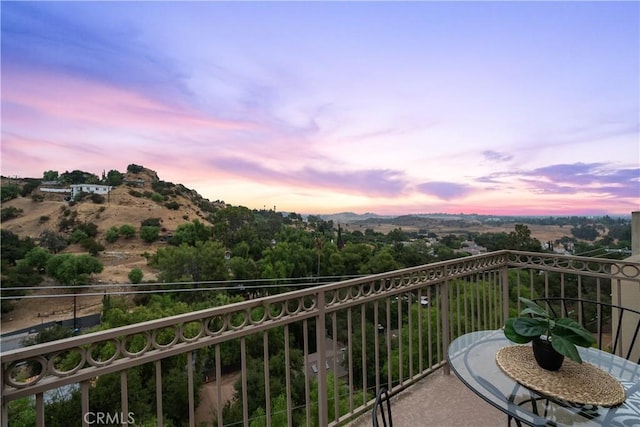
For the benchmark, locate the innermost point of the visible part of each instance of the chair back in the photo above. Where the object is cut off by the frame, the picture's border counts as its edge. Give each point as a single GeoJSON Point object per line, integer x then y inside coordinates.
{"type": "Point", "coordinates": [615, 328]}
{"type": "Point", "coordinates": [382, 399]}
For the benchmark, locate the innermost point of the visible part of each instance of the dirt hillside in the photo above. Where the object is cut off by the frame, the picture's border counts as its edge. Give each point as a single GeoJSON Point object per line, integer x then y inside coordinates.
{"type": "Point", "coordinates": [125, 204]}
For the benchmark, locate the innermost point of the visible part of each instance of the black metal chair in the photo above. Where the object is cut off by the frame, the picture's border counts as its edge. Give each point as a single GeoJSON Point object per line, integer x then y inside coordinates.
{"type": "Point", "coordinates": [381, 398]}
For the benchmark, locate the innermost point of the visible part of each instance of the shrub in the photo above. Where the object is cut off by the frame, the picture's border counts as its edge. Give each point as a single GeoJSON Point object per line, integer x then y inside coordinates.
{"type": "Point", "coordinates": [80, 196]}
{"type": "Point", "coordinates": [158, 198]}
{"type": "Point", "coordinates": [172, 205]}
{"type": "Point", "coordinates": [37, 197]}
{"type": "Point", "coordinates": [97, 198]}
{"type": "Point", "coordinates": [8, 192]}
{"type": "Point", "coordinates": [78, 235]}
{"type": "Point", "coordinates": [10, 212]}
{"type": "Point", "coordinates": [88, 227]}
{"type": "Point", "coordinates": [151, 221]}
{"type": "Point", "coordinates": [149, 233]}
{"type": "Point", "coordinates": [112, 234]}
{"type": "Point", "coordinates": [44, 218]}
{"type": "Point", "coordinates": [135, 193]}
{"type": "Point", "coordinates": [52, 241]}
{"type": "Point", "coordinates": [133, 168]}
{"type": "Point", "coordinates": [29, 187]}
{"type": "Point", "coordinates": [136, 275]}
{"type": "Point", "coordinates": [92, 246]}
{"type": "Point", "coordinates": [127, 231]}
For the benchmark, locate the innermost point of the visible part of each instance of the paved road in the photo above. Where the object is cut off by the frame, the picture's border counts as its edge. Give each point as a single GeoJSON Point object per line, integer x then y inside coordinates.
{"type": "Point", "coordinates": [13, 340]}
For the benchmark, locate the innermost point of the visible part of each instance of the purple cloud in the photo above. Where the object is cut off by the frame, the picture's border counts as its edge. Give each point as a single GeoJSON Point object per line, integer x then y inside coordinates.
{"type": "Point", "coordinates": [595, 178]}
{"type": "Point", "coordinates": [445, 190]}
{"type": "Point", "coordinates": [496, 156]}
{"type": "Point", "coordinates": [374, 182]}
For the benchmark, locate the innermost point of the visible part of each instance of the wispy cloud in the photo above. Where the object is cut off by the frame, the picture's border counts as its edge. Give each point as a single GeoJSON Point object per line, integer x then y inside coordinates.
{"type": "Point", "coordinates": [574, 178]}
{"type": "Point", "coordinates": [45, 37]}
{"type": "Point", "coordinates": [445, 190]}
{"type": "Point", "coordinates": [374, 182]}
{"type": "Point", "coordinates": [496, 156]}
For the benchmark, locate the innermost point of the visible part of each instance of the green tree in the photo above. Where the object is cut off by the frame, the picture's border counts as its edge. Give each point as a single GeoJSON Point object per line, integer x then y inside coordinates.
{"type": "Point", "coordinates": [204, 261]}
{"type": "Point", "coordinates": [520, 239]}
{"type": "Point", "coordinates": [37, 258]}
{"type": "Point", "coordinates": [190, 233]}
{"type": "Point", "coordinates": [22, 412]}
{"type": "Point", "coordinates": [78, 235]}
{"type": "Point", "coordinates": [135, 275]}
{"type": "Point", "coordinates": [69, 269]}
{"type": "Point", "coordinates": [149, 233]}
{"type": "Point", "coordinates": [91, 246]}
{"type": "Point", "coordinates": [8, 192]}
{"type": "Point", "coordinates": [52, 241]}
{"type": "Point", "coordinates": [133, 168]}
{"type": "Point", "coordinates": [380, 262]}
{"type": "Point", "coordinates": [50, 175]}
{"type": "Point", "coordinates": [127, 231]}
{"type": "Point", "coordinates": [112, 234]}
{"type": "Point", "coordinates": [9, 213]}
{"type": "Point", "coordinates": [12, 247]}
{"type": "Point", "coordinates": [114, 178]}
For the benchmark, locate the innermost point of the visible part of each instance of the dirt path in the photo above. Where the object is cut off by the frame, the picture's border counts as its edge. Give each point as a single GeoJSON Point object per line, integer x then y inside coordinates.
{"type": "Point", "coordinates": [208, 398]}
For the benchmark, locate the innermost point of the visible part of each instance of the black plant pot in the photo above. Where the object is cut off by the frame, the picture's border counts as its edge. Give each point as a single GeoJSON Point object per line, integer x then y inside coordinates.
{"type": "Point", "coordinates": [546, 356]}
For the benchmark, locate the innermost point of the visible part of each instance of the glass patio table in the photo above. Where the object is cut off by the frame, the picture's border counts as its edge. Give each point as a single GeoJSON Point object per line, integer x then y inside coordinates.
{"type": "Point", "coordinates": [472, 357]}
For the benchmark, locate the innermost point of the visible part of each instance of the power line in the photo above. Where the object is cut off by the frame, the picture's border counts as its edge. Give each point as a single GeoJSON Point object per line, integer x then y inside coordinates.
{"type": "Point", "coordinates": [174, 287]}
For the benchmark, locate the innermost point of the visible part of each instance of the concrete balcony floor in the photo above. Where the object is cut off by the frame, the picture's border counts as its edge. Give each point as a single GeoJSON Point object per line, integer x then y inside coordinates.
{"type": "Point", "coordinates": [439, 400]}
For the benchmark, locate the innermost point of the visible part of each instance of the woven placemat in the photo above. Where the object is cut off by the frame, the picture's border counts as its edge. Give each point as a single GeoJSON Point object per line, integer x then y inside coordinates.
{"type": "Point", "coordinates": [581, 383]}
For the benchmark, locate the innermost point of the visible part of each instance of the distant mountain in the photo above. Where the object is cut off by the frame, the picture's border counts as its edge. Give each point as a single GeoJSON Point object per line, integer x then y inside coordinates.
{"type": "Point", "coordinates": [345, 217]}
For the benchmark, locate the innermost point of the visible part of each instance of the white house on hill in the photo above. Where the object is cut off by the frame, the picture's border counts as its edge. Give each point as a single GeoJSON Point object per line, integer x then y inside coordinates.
{"type": "Point", "coordinates": [89, 188]}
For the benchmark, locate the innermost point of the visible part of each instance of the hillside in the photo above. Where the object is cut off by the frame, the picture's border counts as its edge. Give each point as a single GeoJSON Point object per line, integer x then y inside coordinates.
{"type": "Point", "coordinates": [125, 204]}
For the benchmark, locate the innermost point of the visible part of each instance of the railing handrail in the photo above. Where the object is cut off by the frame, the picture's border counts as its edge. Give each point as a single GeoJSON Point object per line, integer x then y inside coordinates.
{"type": "Point", "coordinates": [184, 318]}
{"type": "Point", "coordinates": [511, 260]}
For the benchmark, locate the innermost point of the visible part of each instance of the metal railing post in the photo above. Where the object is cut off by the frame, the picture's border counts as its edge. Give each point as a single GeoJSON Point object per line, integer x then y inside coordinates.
{"type": "Point", "coordinates": [504, 278]}
{"type": "Point", "coordinates": [323, 404]}
{"type": "Point", "coordinates": [445, 323]}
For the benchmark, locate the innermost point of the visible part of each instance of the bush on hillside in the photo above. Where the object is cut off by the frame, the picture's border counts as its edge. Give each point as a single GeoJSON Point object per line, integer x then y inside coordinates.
{"type": "Point", "coordinates": [8, 192]}
{"type": "Point", "coordinates": [112, 234]}
{"type": "Point", "coordinates": [149, 233]}
{"type": "Point", "coordinates": [155, 222]}
{"type": "Point", "coordinates": [97, 198]}
{"type": "Point", "coordinates": [133, 168]}
{"type": "Point", "coordinates": [135, 275]}
{"type": "Point", "coordinates": [9, 213]}
{"type": "Point", "coordinates": [127, 231]}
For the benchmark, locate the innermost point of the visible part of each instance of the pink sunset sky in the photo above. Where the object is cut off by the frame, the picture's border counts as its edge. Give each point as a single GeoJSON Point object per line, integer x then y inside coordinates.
{"type": "Point", "coordinates": [515, 108]}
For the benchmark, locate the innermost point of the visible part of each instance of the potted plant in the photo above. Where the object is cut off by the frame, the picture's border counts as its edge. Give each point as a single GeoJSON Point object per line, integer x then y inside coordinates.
{"type": "Point", "coordinates": [552, 338]}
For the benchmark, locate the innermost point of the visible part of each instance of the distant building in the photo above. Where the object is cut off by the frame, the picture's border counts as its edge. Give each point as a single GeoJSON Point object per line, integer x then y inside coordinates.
{"type": "Point", "coordinates": [55, 190]}
{"type": "Point", "coordinates": [472, 247]}
{"type": "Point", "coordinates": [313, 366]}
{"type": "Point", "coordinates": [89, 188]}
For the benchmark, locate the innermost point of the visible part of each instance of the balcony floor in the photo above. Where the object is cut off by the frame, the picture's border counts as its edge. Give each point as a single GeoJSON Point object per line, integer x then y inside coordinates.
{"type": "Point", "coordinates": [439, 400]}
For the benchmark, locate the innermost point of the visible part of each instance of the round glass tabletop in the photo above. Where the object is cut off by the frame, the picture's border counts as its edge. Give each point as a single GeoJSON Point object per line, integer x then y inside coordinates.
{"type": "Point", "coordinates": [473, 359]}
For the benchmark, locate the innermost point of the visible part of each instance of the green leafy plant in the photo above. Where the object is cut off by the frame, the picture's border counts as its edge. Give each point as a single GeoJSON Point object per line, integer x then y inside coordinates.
{"type": "Point", "coordinates": [563, 333]}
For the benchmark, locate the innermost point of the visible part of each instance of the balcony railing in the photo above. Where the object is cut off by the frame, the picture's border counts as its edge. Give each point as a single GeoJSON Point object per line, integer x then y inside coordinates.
{"type": "Point", "coordinates": [392, 328]}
